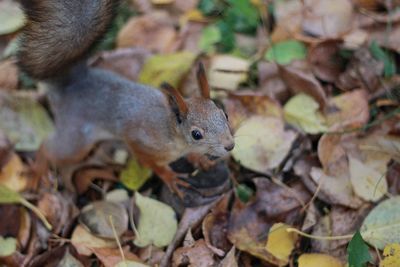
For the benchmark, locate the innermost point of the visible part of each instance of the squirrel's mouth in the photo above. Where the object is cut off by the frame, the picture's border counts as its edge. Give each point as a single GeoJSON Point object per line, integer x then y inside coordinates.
{"type": "Point", "coordinates": [212, 157]}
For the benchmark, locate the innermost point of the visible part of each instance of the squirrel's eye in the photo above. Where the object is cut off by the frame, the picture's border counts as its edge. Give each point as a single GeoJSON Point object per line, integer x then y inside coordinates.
{"type": "Point", "coordinates": [226, 116]}
{"type": "Point", "coordinates": [196, 134]}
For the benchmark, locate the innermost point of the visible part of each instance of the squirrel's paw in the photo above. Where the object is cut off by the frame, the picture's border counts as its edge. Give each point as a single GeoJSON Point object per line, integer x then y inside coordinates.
{"type": "Point", "coordinates": [174, 184]}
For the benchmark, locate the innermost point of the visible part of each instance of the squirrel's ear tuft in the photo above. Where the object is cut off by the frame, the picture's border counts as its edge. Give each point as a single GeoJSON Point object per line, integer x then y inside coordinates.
{"type": "Point", "coordinates": [202, 80]}
{"type": "Point", "coordinates": [176, 101]}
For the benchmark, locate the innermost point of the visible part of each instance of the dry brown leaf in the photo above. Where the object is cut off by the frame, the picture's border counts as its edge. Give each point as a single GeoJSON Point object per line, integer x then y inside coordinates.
{"type": "Point", "coordinates": [153, 31]}
{"type": "Point", "coordinates": [350, 110]}
{"type": "Point", "coordinates": [242, 104]}
{"type": "Point", "coordinates": [302, 81]}
{"type": "Point", "coordinates": [84, 242]}
{"type": "Point", "coordinates": [337, 189]}
{"type": "Point", "coordinates": [325, 60]}
{"type": "Point", "coordinates": [8, 75]}
{"type": "Point", "coordinates": [249, 223]}
{"type": "Point", "coordinates": [328, 18]}
{"type": "Point", "coordinates": [270, 81]}
{"type": "Point", "coordinates": [197, 255]}
{"type": "Point", "coordinates": [110, 257]}
{"type": "Point", "coordinates": [127, 62]}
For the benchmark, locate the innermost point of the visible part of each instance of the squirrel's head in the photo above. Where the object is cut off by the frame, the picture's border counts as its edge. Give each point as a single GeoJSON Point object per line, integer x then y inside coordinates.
{"type": "Point", "coordinates": [204, 125]}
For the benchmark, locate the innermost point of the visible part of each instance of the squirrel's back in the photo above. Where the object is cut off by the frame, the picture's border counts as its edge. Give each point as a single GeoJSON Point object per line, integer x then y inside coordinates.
{"type": "Point", "coordinates": [59, 33]}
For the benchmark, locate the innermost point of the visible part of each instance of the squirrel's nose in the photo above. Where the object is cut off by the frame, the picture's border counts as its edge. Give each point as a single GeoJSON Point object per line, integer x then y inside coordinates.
{"type": "Point", "coordinates": [230, 147]}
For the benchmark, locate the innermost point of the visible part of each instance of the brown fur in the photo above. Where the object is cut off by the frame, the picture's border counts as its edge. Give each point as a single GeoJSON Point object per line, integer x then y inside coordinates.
{"type": "Point", "coordinates": [58, 33]}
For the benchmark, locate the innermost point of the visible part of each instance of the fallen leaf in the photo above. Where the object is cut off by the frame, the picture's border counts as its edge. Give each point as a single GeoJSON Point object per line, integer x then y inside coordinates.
{"type": "Point", "coordinates": [351, 110]}
{"type": "Point", "coordinates": [157, 222]}
{"type": "Point", "coordinates": [209, 37]}
{"type": "Point", "coordinates": [249, 223]}
{"type": "Point", "coordinates": [68, 261]}
{"type": "Point", "coordinates": [240, 105]}
{"type": "Point", "coordinates": [134, 175]}
{"type": "Point", "coordinates": [196, 255]}
{"type": "Point", "coordinates": [11, 16]}
{"type": "Point", "coordinates": [127, 62]}
{"type": "Point", "coordinates": [97, 215]}
{"type": "Point", "coordinates": [368, 183]}
{"type": "Point", "coordinates": [7, 246]}
{"type": "Point", "coordinates": [227, 72]}
{"type": "Point", "coordinates": [382, 225]}
{"type": "Point", "coordinates": [8, 73]}
{"type": "Point", "coordinates": [262, 143]}
{"type": "Point", "coordinates": [110, 257]}
{"type": "Point", "coordinates": [302, 112]}
{"type": "Point", "coordinates": [229, 260]}
{"type": "Point", "coordinates": [281, 243]}
{"type": "Point", "coordinates": [153, 31]}
{"type": "Point", "coordinates": [328, 19]}
{"type": "Point", "coordinates": [286, 51]}
{"type": "Point", "coordinates": [337, 189]}
{"type": "Point", "coordinates": [24, 121]}
{"type": "Point", "coordinates": [131, 264]}
{"type": "Point", "coordinates": [169, 68]}
{"type": "Point", "coordinates": [318, 260]}
{"type": "Point", "coordinates": [391, 255]}
{"type": "Point", "coordinates": [302, 81]}
{"type": "Point", "coordinates": [325, 60]}
{"type": "Point", "coordinates": [12, 174]}
{"type": "Point", "coordinates": [358, 251]}
{"type": "Point", "coordinates": [84, 241]}
{"type": "Point", "coordinates": [270, 81]}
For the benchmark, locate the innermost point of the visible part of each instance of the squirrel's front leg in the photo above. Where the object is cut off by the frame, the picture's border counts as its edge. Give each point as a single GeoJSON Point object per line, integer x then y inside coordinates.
{"type": "Point", "coordinates": [170, 178]}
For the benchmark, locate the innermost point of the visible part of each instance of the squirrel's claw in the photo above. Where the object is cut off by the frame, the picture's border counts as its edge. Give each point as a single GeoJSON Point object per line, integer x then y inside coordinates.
{"type": "Point", "coordinates": [174, 184]}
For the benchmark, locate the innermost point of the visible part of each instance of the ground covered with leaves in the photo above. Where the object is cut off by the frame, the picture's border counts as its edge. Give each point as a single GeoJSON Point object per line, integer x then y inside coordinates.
{"type": "Point", "coordinates": [311, 89]}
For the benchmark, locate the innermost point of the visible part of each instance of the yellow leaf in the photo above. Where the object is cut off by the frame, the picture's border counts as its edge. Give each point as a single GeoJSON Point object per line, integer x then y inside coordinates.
{"type": "Point", "coordinates": [162, 2]}
{"type": "Point", "coordinates": [392, 256]}
{"type": "Point", "coordinates": [11, 175]}
{"type": "Point", "coordinates": [170, 68]}
{"type": "Point", "coordinates": [318, 260]}
{"type": "Point", "coordinates": [302, 111]}
{"type": "Point", "coordinates": [134, 175]}
{"type": "Point", "coordinates": [281, 243]}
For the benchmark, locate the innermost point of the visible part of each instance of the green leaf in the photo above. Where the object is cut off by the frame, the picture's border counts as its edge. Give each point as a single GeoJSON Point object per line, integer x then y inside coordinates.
{"type": "Point", "coordinates": [134, 175]}
{"type": "Point", "coordinates": [228, 40]}
{"type": "Point", "coordinates": [169, 68]}
{"type": "Point", "coordinates": [7, 246]}
{"type": "Point", "coordinates": [358, 254]}
{"type": "Point", "coordinates": [211, 7]}
{"type": "Point", "coordinates": [209, 37]}
{"type": "Point", "coordinates": [244, 192]}
{"type": "Point", "coordinates": [242, 16]}
{"type": "Point", "coordinates": [157, 222]}
{"type": "Point", "coordinates": [382, 225]}
{"type": "Point", "coordinates": [286, 51]}
{"type": "Point", "coordinates": [380, 54]}
{"type": "Point", "coordinates": [8, 196]}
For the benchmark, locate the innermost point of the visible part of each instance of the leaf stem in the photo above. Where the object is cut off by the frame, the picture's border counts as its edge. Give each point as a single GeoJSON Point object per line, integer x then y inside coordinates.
{"type": "Point", "coordinates": [339, 237]}
{"type": "Point", "coordinates": [38, 213]}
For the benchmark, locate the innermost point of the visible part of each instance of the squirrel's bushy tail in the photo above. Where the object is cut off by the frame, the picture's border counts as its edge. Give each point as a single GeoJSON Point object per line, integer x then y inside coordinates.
{"type": "Point", "coordinates": [59, 33]}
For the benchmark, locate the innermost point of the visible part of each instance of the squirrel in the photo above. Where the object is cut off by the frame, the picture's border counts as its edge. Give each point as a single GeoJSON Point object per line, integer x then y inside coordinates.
{"type": "Point", "coordinates": [89, 104]}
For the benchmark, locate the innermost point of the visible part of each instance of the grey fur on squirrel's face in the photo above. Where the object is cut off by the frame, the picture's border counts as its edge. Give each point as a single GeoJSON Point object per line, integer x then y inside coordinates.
{"type": "Point", "coordinates": [212, 123]}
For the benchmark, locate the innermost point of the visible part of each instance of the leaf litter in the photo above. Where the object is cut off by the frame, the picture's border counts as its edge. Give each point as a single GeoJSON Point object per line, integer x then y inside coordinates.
{"type": "Point", "coordinates": [311, 91]}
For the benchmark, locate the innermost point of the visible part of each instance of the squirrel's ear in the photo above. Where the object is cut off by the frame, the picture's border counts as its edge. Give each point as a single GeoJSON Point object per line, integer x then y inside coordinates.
{"type": "Point", "coordinates": [202, 80]}
{"type": "Point", "coordinates": [176, 101]}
